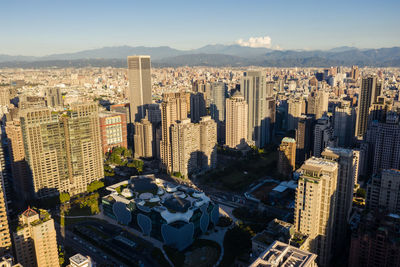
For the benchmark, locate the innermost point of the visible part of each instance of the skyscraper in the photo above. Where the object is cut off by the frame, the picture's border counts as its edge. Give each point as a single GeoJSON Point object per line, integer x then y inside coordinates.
{"type": "Point", "coordinates": [217, 108]}
{"type": "Point", "coordinates": [4, 96]}
{"type": "Point", "coordinates": [113, 129]}
{"type": "Point", "coordinates": [208, 143]}
{"type": "Point", "coordinates": [287, 156]}
{"type": "Point", "coordinates": [5, 239]}
{"type": "Point", "coordinates": [139, 91]}
{"type": "Point", "coordinates": [370, 90]}
{"type": "Point", "coordinates": [344, 123]}
{"type": "Point", "coordinates": [236, 120]}
{"type": "Point", "coordinates": [35, 240]}
{"type": "Point", "coordinates": [261, 114]}
{"type": "Point", "coordinates": [54, 98]}
{"type": "Point", "coordinates": [63, 150]}
{"type": "Point", "coordinates": [315, 205]}
{"type": "Point", "coordinates": [197, 106]}
{"type": "Point", "coordinates": [143, 139]}
{"type": "Point", "coordinates": [347, 176]}
{"type": "Point", "coordinates": [173, 108]}
{"type": "Point", "coordinates": [294, 112]}
{"type": "Point", "coordinates": [304, 138]}
{"type": "Point", "coordinates": [323, 135]}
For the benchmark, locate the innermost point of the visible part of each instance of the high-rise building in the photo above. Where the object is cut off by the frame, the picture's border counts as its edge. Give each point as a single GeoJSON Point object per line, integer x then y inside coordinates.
{"type": "Point", "coordinates": [4, 96]}
{"type": "Point", "coordinates": [344, 123]}
{"type": "Point", "coordinates": [347, 176]}
{"type": "Point", "coordinates": [304, 138]}
{"type": "Point", "coordinates": [63, 150]}
{"type": "Point", "coordinates": [139, 91]}
{"type": "Point", "coordinates": [315, 205]}
{"type": "Point", "coordinates": [173, 108]}
{"type": "Point", "coordinates": [383, 191]}
{"type": "Point", "coordinates": [78, 260]}
{"type": "Point", "coordinates": [323, 135]}
{"type": "Point", "coordinates": [287, 156]}
{"type": "Point", "coordinates": [19, 166]}
{"type": "Point", "coordinates": [261, 114]}
{"type": "Point", "coordinates": [8, 261]}
{"type": "Point", "coordinates": [294, 112]}
{"type": "Point", "coordinates": [355, 72]}
{"type": "Point", "coordinates": [113, 129]}
{"type": "Point", "coordinates": [143, 139]}
{"type": "Point", "coordinates": [154, 116]}
{"type": "Point", "coordinates": [370, 90]}
{"type": "Point", "coordinates": [217, 108]}
{"type": "Point", "coordinates": [35, 240]}
{"type": "Point", "coordinates": [201, 86]}
{"type": "Point", "coordinates": [54, 97]}
{"type": "Point", "coordinates": [5, 239]}
{"type": "Point", "coordinates": [376, 242]}
{"type": "Point", "coordinates": [236, 120]}
{"type": "Point", "coordinates": [193, 145]}
{"type": "Point", "coordinates": [197, 107]}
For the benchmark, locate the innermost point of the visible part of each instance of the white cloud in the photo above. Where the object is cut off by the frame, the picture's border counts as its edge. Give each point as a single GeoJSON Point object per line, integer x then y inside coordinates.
{"type": "Point", "coordinates": [256, 42]}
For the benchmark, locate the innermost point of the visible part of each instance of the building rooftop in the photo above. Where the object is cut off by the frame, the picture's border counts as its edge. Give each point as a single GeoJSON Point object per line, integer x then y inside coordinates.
{"type": "Point", "coordinates": [288, 140]}
{"type": "Point", "coordinates": [174, 202]}
{"type": "Point", "coordinates": [283, 255]}
{"type": "Point", "coordinates": [78, 259]}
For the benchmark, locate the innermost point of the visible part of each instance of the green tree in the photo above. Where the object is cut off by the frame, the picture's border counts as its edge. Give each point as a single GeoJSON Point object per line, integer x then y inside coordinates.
{"type": "Point", "coordinates": [64, 197]}
{"type": "Point", "coordinates": [94, 186]}
{"type": "Point", "coordinates": [361, 192]}
{"type": "Point", "coordinates": [236, 242]}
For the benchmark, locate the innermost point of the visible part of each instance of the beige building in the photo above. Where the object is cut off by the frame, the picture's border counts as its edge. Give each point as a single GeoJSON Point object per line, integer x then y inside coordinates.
{"type": "Point", "coordinates": [315, 205]}
{"type": "Point", "coordinates": [78, 260]}
{"type": "Point", "coordinates": [5, 239]}
{"type": "Point", "coordinates": [63, 150]}
{"type": "Point", "coordinates": [287, 156]}
{"type": "Point", "coordinates": [4, 96]}
{"type": "Point", "coordinates": [193, 145]}
{"type": "Point", "coordinates": [280, 254]}
{"type": "Point", "coordinates": [139, 91]}
{"type": "Point", "coordinates": [8, 261]}
{"type": "Point", "coordinates": [173, 108]}
{"type": "Point", "coordinates": [35, 240]}
{"type": "Point", "coordinates": [143, 139]}
{"type": "Point", "coordinates": [236, 120]}
{"type": "Point", "coordinates": [54, 98]}
{"type": "Point", "coordinates": [294, 112]}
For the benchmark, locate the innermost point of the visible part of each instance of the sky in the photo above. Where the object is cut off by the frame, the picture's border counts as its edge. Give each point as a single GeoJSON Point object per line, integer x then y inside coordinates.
{"type": "Point", "coordinates": [39, 27]}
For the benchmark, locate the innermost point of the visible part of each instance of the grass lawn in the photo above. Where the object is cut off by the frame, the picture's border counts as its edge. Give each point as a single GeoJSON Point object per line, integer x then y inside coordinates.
{"type": "Point", "coordinates": [76, 211]}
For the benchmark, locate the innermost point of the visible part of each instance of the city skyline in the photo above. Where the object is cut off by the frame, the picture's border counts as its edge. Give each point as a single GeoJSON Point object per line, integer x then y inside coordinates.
{"type": "Point", "coordinates": [70, 27]}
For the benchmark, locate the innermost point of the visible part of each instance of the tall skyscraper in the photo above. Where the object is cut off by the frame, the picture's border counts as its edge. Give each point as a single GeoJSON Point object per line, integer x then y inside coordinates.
{"type": "Point", "coordinates": [370, 90]}
{"type": "Point", "coordinates": [193, 145]}
{"type": "Point", "coordinates": [4, 96]}
{"type": "Point", "coordinates": [261, 114]}
{"type": "Point", "coordinates": [197, 107]}
{"type": "Point", "coordinates": [344, 123]}
{"type": "Point", "coordinates": [5, 239]}
{"type": "Point", "coordinates": [217, 108]}
{"type": "Point", "coordinates": [294, 112]}
{"type": "Point", "coordinates": [139, 91]}
{"type": "Point", "coordinates": [54, 98]}
{"type": "Point", "coordinates": [304, 138]}
{"type": "Point", "coordinates": [315, 205]}
{"type": "Point", "coordinates": [143, 139]}
{"type": "Point", "coordinates": [173, 108]}
{"type": "Point", "coordinates": [236, 120]}
{"type": "Point", "coordinates": [383, 191]}
{"type": "Point", "coordinates": [287, 156]}
{"type": "Point", "coordinates": [35, 240]}
{"type": "Point", "coordinates": [323, 135]}
{"type": "Point", "coordinates": [347, 176]}
{"type": "Point", "coordinates": [63, 150]}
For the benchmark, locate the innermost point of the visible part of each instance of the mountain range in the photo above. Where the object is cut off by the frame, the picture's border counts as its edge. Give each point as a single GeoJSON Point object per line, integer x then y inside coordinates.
{"type": "Point", "coordinates": [213, 55]}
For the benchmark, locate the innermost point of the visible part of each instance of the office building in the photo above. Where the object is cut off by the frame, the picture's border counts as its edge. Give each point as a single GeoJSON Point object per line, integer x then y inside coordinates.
{"type": "Point", "coordinates": [236, 121]}
{"type": "Point", "coordinates": [261, 115]}
{"type": "Point", "coordinates": [344, 122]}
{"type": "Point", "coordinates": [315, 205]}
{"type": "Point", "coordinates": [143, 139]}
{"type": "Point", "coordinates": [139, 91]}
{"type": "Point", "coordinates": [54, 98]}
{"type": "Point", "coordinates": [347, 177]}
{"type": "Point", "coordinates": [280, 254]}
{"type": "Point", "coordinates": [287, 156]}
{"type": "Point", "coordinates": [217, 108]}
{"type": "Point", "coordinates": [173, 108]}
{"type": "Point", "coordinates": [294, 112]}
{"type": "Point", "coordinates": [370, 90]}
{"type": "Point", "coordinates": [63, 150]}
{"type": "Point", "coordinates": [197, 106]}
{"type": "Point", "coordinates": [35, 240]}
{"type": "Point", "coordinates": [376, 241]}
{"type": "Point", "coordinates": [383, 191]}
{"type": "Point", "coordinates": [173, 214]}
{"type": "Point", "coordinates": [323, 135]}
{"type": "Point", "coordinates": [304, 138]}
{"type": "Point", "coordinates": [113, 129]}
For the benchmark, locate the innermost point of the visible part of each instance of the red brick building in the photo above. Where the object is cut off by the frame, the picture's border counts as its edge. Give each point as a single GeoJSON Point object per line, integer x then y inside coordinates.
{"type": "Point", "coordinates": [113, 130]}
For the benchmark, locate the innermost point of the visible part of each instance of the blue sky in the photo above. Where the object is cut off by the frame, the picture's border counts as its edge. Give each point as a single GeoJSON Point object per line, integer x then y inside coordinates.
{"type": "Point", "coordinates": [47, 27]}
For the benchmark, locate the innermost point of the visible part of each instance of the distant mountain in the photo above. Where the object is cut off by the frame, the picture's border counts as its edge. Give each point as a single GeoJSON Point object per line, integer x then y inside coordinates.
{"type": "Point", "coordinates": [213, 55]}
